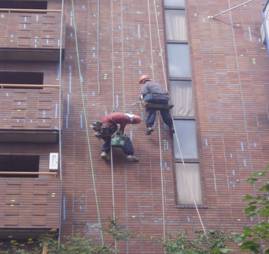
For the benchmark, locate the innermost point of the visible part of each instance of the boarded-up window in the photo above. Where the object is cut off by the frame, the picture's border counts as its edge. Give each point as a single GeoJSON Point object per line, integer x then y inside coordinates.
{"type": "Point", "coordinates": [179, 60]}
{"type": "Point", "coordinates": [181, 96]}
{"type": "Point", "coordinates": [188, 183]}
{"type": "Point", "coordinates": [175, 25]}
{"type": "Point", "coordinates": [185, 142]}
{"type": "Point", "coordinates": [174, 3]}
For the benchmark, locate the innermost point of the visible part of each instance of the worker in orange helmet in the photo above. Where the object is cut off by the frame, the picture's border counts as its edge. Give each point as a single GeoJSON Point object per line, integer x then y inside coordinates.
{"type": "Point", "coordinates": [152, 92]}
{"type": "Point", "coordinates": [115, 123]}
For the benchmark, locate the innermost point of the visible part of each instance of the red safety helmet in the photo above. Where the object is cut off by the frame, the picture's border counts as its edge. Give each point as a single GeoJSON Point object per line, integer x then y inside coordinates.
{"type": "Point", "coordinates": [144, 78]}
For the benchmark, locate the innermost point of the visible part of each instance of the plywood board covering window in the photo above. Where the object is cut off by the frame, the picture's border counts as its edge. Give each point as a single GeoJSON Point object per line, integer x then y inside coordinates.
{"type": "Point", "coordinates": [188, 183]}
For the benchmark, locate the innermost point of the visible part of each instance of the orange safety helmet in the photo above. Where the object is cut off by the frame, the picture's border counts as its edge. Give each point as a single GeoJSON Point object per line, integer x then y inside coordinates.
{"type": "Point", "coordinates": [144, 78]}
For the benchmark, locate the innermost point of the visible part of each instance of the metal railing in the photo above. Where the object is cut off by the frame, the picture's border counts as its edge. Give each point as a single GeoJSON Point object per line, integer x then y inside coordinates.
{"type": "Point", "coordinates": [25, 173]}
{"type": "Point", "coordinates": [29, 10]}
{"type": "Point", "coordinates": [28, 86]}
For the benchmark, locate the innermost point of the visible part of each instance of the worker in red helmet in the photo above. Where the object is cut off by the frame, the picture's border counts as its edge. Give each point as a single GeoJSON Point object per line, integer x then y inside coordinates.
{"type": "Point", "coordinates": [111, 124]}
{"type": "Point", "coordinates": [153, 92]}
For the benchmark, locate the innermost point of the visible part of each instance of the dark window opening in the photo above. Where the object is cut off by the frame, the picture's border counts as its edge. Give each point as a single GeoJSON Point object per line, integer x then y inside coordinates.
{"type": "Point", "coordinates": [19, 165]}
{"type": "Point", "coordinates": [30, 80]}
{"type": "Point", "coordinates": [16, 4]}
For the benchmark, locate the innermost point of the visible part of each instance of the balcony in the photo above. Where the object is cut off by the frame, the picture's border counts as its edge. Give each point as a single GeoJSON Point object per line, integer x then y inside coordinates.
{"type": "Point", "coordinates": [31, 203]}
{"type": "Point", "coordinates": [29, 109]}
{"type": "Point", "coordinates": [30, 192]}
{"type": "Point", "coordinates": [30, 35]}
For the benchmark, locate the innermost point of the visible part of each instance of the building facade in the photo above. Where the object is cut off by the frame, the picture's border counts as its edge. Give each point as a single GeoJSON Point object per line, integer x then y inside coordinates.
{"type": "Point", "coordinates": [62, 70]}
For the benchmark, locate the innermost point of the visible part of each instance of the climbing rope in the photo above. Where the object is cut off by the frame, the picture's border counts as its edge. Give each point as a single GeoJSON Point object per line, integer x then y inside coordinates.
{"type": "Point", "coordinates": [98, 45]}
{"type": "Point", "coordinates": [81, 81]}
{"type": "Point", "coordinates": [113, 107]}
{"type": "Point", "coordinates": [159, 128]}
{"type": "Point", "coordinates": [60, 119]}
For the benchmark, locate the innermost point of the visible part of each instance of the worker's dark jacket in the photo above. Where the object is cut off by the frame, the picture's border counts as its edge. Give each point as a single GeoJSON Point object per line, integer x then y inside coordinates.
{"type": "Point", "coordinates": [154, 93]}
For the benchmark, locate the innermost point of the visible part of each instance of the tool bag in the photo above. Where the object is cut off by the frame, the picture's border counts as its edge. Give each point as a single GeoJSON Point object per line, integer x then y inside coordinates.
{"type": "Point", "coordinates": [118, 140]}
{"type": "Point", "coordinates": [156, 98]}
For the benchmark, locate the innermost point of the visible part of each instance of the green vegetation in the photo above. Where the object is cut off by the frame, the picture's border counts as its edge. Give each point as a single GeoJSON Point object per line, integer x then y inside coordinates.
{"type": "Point", "coordinates": [253, 239]}
{"type": "Point", "coordinates": [213, 242]}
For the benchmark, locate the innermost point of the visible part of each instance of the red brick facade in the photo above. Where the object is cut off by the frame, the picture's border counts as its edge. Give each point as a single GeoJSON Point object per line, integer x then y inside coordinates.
{"type": "Point", "coordinates": [230, 77]}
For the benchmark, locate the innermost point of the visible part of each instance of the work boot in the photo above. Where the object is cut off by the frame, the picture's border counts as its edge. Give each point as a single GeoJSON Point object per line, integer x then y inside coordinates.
{"type": "Point", "coordinates": [103, 155]}
{"type": "Point", "coordinates": [149, 130]}
{"type": "Point", "coordinates": [132, 158]}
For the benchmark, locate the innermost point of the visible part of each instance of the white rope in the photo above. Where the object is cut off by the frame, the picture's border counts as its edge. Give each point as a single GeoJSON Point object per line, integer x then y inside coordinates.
{"type": "Point", "coordinates": [192, 194]}
{"type": "Point", "coordinates": [60, 120]}
{"type": "Point", "coordinates": [112, 55]}
{"type": "Point", "coordinates": [113, 107]}
{"type": "Point", "coordinates": [122, 57]}
{"type": "Point", "coordinates": [162, 177]}
{"type": "Point", "coordinates": [98, 45]}
{"type": "Point", "coordinates": [151, 41]}
{"type": "Point", "coordinates": [178, 143]}
{"type": "Point", "coordinates": [230, 9]}
{"type": "Point", "coordinates": [86, 124]}
{"type": "Point", "coordinates": [159, 131]}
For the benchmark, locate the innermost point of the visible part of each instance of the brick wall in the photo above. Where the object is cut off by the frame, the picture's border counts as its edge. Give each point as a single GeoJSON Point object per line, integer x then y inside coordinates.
{"type": "Point", "coordinates": [230, 77]}
{"type": "Point", "coordinates": [230, 68]}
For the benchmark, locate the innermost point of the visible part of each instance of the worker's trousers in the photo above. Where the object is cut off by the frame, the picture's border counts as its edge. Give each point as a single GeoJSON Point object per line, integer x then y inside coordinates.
{"type": "Point", "coordinates": [151, 116]}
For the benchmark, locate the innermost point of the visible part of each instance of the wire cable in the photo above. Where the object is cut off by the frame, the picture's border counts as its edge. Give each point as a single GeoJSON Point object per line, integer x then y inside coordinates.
{"type": "Point", "coordinates": [98, 46]}
{"type": "Point", "coordinates": [86, 125]}
{"type": "Point", "coordinates": [60, 118]}
{"type": "Point", "coordinates": [159, 128]}
{"type": "Point", "coordinates": [113, 107]}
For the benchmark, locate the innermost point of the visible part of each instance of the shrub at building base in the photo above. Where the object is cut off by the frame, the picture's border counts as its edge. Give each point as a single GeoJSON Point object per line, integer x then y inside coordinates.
{"type": "Point", "coordinates": [255, 238]}
{"type": "Point", "coordinates": [213, 242]}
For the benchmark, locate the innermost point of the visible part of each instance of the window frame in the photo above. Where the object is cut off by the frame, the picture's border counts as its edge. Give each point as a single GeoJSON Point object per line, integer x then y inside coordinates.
{"type": "Point", "coordinates": [181, 78]}
{"type": "Point", "coordinates": [174, 7]}
{"type": "Point", "coordinates": [193, 160]}
{"type": "Point", "coordinates": [175, 41]}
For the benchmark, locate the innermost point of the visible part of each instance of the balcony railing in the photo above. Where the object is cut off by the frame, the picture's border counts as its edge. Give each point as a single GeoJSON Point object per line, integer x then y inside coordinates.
{"type": "Point", "coordinates": [30, 202]}
{"type": "Point", "coordinates": [30, 35]}
{"type": "Point", "coordinates": [29, 113]}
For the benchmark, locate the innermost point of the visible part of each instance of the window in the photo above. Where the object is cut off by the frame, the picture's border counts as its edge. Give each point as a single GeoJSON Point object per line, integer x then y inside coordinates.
{"type": "Point", "coordinates": [19, 164]}
{"type": "Point", "coordinates": [175, 25]}
{"type": "Point", "coordinates": [181, 96]}
{"type": "Point", "coordinates": [186, 133]}
{"type": "Point", "coordinates": [179, 60]}
{"type": "Point", "coordinates": [19, 4]}
{"type": "Point", "coordinates": [35, 79]}
{"type": "Point", "coordinates": [179, 72]}
{"type": "Point", "coordinates": [188, 183]}
{"type": "Point", "coordinates": [174, 3]}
